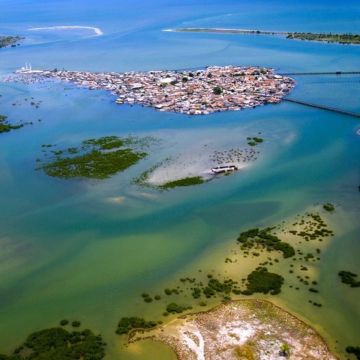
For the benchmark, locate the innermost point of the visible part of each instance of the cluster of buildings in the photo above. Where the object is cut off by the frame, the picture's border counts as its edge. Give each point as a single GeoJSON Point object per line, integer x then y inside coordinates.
{"type": "Point", "coordinates": [191, 92]}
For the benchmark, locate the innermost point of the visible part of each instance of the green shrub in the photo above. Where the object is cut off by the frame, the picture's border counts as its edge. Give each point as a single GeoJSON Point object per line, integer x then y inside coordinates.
{"type": "Point", "coordinates": [59, 344]}
{"type": "Point", "coordinates": [349, 278]}
{"type": "Point", "coordinates": [262, 281]}
{"type": "Point", "coordinates": [355, 350]}
{"type": "Point", "coordinates": [329, 207]}
{"type": "Point", "coordinates": [175, 308]}
{"type": "Point", "coordinates": [264, 238]}
{"type": "Point", "coordinates": [189, 181]}
{"type": "Point", "coordinates": [100, 159]}
{"type": "Point", "coordinates": [217, 90]}
{"type": "Point", "coordinates": [126, 324]}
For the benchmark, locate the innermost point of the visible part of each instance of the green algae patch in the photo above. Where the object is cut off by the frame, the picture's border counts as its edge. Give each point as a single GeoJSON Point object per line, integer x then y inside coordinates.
{"type": "Point", "coordinates": [189, 181]}
{"type": "Point", "coordinates": [95, 159]}
{"type": "Point", "coordinates": [349, 278]}
{"type": "Point", "coordinates": [60, 344]}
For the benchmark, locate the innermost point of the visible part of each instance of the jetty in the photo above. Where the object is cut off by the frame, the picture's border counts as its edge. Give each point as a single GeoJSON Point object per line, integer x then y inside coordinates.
{"type": "Point", "coordinates": [321, 73]}
{"type": "Point", "coordinates": [323, 107]}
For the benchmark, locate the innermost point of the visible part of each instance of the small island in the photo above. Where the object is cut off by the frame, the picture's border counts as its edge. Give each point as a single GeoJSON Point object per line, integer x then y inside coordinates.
{"type": "Point", "coordinates": [12, 41]}
{"type": "Point", "coordinates": [197, 92]}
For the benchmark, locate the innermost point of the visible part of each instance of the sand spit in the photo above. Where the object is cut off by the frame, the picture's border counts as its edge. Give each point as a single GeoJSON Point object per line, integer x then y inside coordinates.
{"type": "Point", "coordinates": [199, 162]}
{"type": "Point", "coordinates": [243, 329]}
{"type": "Point", "coordinates": [195, 92]}
{"type": "Point", "coordinates": [97, 31]}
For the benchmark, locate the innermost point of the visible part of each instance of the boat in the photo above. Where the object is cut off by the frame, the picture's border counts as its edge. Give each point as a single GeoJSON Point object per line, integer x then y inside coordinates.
{"type": "Point", "coordinates": [223, 169]}
{"type": "Point", "coordinates": [27, 69]}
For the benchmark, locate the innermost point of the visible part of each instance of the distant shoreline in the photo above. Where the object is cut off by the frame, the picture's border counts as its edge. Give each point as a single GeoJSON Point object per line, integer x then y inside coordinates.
{"type": "Point", "coordinates": [228, 31]}
{"type": "Point", "coordinates": [347, 39]}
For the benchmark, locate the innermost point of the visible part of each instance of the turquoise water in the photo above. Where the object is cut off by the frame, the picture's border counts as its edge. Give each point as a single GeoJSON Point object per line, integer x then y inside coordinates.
{"type": "Point", "coordinates": [67, 251]}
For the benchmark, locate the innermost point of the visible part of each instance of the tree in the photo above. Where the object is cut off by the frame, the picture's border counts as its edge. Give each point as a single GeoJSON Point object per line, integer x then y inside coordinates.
{"type": "Point", "coordinates": [217, 90]}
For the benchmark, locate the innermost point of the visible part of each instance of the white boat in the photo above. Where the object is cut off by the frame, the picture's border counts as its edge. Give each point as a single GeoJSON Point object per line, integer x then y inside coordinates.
{"type": "Point", "coordinates": [24, 69]}
{"type": "Point", "coordinates": [27, 69]}
{"type": "Point", "coordinates": [223, 169]}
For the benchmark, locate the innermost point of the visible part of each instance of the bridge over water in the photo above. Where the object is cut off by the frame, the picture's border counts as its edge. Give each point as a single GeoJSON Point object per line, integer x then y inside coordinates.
{"type": "Point", "coordinates": [323, 107]}
{"type": "Point", "coordinates": [322, 73]}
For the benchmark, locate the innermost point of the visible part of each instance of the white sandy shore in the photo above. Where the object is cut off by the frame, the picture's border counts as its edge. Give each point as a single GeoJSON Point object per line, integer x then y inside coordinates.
{"type": "Point", "coordinates": [97, 31]}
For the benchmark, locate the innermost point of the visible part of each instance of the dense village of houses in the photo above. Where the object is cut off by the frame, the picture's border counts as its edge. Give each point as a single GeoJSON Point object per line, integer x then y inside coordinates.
{"type": "Point", "coordinates": [191, 92]}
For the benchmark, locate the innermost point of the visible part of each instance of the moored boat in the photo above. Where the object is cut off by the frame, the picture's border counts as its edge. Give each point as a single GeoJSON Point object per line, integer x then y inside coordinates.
{"type": "Point", "coordinates": [223, 169]}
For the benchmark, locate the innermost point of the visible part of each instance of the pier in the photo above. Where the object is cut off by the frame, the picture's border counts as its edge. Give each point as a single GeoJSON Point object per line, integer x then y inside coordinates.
{"type": "Point", "coordinates": [323, 107]}
{"type": "Point", "coordinates": [322, 73]}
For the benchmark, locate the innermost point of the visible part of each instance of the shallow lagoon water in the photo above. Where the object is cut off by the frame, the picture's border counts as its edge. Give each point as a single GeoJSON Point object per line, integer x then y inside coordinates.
{"type": "Point", "coordinates": [68, 251]}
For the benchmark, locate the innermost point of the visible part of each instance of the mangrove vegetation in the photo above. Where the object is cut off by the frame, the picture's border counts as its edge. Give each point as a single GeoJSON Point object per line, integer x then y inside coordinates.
{"type": "Point", "coordinates": [355, 350]}
{"type": "Point", "coordinates": [96, 158]}
{"type": "Point", "coordinates": [5, 126]}
{"type": "Point", "coordinates": [188, 181]}
{"type": "Point", "coordinates": [329, 38]}
{"type": "Point", "coordinates": [263, 238]}
{"type": "Point", "coordinates": [59, 344]}
{"type": "Point", "coordinates": [263, 281]}
{"type": "Point", "coordinates": [12, 41]}
{"type": "Point", "coordinates": [127, 324]}
{"type": "Point", "coordinates": [329, 207]}
{"type": "Point", "coordinates": [349, 278]}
